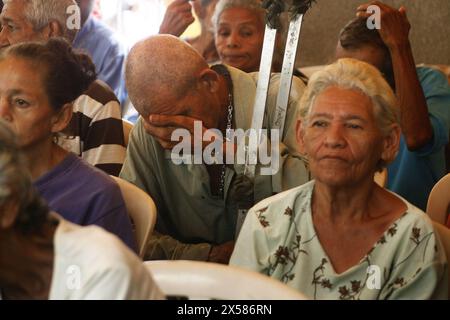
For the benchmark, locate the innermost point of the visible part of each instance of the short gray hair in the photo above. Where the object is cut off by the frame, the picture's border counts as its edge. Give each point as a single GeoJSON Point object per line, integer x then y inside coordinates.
{"type": "Point", "coordinates": [222, 5]}
{"type": "Point", "coordinates": [256, 6]}
{"type": "Point", "coordinates": [41, 12]}
{"type": "Point", "coordinates": [16, 184]}
{"type": "Point", "coordinates": [357, 75]}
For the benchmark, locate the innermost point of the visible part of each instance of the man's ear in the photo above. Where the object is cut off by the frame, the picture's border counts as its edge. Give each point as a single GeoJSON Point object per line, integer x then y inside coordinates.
{"type": "Point", "coordinates": [391, 144]}
{"type": "Point", "coordinates": [300, 132]}
{"type": "Point", "coordinates": [209, 79]}
{"type": "Point", "coordinates": [8, 214]}
{"type": "Point", "coordinates": [62, 118]}
{"type": "Point", "coordinates": [53, 29]}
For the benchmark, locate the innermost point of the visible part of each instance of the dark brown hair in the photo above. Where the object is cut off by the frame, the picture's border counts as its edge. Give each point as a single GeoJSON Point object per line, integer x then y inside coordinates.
{"type": "Point", "coordinates": [67, 73]}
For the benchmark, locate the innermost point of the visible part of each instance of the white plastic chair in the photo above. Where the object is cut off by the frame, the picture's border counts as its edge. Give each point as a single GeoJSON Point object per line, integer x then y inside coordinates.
{"type": "Point", "coordinates": [142, 211]}
{"type": "Point", "coordinates": [207, 281]}
{"type": "Point", "coordinates": [439, 201]}
{"type": "Point", "coordinates": [444, 235]}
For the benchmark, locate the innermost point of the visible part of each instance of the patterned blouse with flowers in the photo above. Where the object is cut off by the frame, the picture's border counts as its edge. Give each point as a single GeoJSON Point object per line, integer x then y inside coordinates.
{"type": "Point", "coordinates": [278, 239]}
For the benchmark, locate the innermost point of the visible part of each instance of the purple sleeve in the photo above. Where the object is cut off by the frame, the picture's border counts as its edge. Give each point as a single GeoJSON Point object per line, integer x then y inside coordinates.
{"type": "Point", "coordinates": [109, 212]}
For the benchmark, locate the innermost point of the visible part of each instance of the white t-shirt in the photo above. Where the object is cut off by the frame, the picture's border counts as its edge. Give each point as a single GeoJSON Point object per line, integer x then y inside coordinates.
{"type": "Point", "coordinates": [92, 264]}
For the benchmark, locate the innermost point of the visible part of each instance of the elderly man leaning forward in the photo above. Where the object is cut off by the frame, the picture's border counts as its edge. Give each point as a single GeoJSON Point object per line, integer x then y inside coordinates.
{"type": "Point", "coordinates": [172, 87]}
{"type": "Point", "coordinates": [96, 128]}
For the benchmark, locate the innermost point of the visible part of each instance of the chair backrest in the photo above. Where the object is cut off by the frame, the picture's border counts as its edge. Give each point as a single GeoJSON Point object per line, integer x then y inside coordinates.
{"type": "Point", "coordinates": [127, 127]}
{"type": "Point", "coordinates": [439, 200]}
{"type": "Point", "coordinates": [207, 281]}
{"type": "Point", "coordinates": [142, 211]}
{"type": "Point", "coordinates": [444, 235]}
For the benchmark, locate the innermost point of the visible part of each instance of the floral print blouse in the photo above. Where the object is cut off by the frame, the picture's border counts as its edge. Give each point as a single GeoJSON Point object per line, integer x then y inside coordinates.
{"type": "Point", "coordinates": [278, 239]}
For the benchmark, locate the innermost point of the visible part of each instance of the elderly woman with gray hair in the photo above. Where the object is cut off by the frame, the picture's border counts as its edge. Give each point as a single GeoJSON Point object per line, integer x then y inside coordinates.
{"type": "Point", "coordinates": [43, 256]}
{"type": "Point", "coordinates": [239, 33]}
{"type": "Point", "coordinates": [341, 236]}
{"type": "Point", "coordinates": [239, 27]}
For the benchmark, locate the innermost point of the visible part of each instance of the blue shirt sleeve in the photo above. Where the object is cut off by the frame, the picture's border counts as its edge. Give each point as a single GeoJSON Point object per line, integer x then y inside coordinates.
{"type": "Point", "coordinates": [437, 94]}
{"type": "Point", "coordinates": [107, 52]}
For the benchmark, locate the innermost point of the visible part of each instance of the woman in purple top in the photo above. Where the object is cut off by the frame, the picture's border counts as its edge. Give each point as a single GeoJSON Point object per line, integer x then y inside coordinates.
{"type": "Point", "coordinates": [38, 84]}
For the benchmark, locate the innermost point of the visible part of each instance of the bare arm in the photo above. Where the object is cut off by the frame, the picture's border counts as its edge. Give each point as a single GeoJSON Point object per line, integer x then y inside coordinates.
{"type": "Point", "coordinates": [177, 18]}
{"type": "Point", "coordinates": [415, 122]}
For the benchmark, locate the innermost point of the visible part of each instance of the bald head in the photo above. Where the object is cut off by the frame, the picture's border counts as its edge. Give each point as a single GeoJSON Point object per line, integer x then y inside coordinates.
{"type": "Point", "coordinates": [161, 68]}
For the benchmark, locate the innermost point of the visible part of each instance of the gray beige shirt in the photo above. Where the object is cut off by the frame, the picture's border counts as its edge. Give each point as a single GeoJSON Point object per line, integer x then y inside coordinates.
{"type": "Point", "coordinates": [187, 211]}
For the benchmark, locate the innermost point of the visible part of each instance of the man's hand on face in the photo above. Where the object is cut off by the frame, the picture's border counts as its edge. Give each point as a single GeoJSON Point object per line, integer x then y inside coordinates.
{"type": "Point", "coordinates": [161, 128]}
{"type": "Point", "coordinates": [177, 18]}
{"type": "Point", "coordinates": [395, 26]}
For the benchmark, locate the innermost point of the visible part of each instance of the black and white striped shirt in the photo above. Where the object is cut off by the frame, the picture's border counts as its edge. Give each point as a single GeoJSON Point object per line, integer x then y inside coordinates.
{"type": "Point", "coordinates": [96, 130]}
